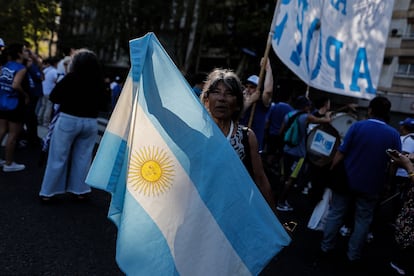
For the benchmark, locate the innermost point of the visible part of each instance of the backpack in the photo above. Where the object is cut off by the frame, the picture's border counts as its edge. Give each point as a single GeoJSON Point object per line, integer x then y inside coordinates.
{"type": "Point", "coordinates": [292, 136]}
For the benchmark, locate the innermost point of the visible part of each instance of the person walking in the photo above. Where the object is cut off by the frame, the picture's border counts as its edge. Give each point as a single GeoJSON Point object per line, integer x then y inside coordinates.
{"type": "Point", "coordinates": [363, 153]}
{"type": "Point", "coordinates": [294, 155]}
{"type": "Point", "coordinates": [274, 142]}
{"type": "Point", "coordinates": [80, 95]}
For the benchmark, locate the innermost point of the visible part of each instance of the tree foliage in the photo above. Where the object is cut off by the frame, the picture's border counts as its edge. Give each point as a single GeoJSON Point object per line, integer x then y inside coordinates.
{"type": "Point", "coordinates": [28, 20]}
{"type": "Point", "coordinates": [197, 34]}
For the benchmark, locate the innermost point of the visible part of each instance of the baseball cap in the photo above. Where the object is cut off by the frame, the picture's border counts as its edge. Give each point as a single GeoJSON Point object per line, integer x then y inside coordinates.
{"type": "Point", "coordinates": [253, 79]}
{"type": "Point", "coordinates": [408, 122]}
{"type": "Point", "coordinates": [2, 43]}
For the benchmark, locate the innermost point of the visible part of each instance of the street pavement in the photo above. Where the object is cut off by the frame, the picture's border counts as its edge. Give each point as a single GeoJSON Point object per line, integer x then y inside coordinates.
{"type": "Point", "coordinates": [70, 237]}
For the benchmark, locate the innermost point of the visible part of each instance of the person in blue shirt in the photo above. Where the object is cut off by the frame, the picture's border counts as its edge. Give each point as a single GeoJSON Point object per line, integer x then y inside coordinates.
{"type": "Point", "coordinates": [274, 123]}
{"type": "Point", "coordinates": [364, 157]}
{"type": "Point", "coordinates": [35, 78]}
{"type": "Point", "coordinates": [259, 103]}
{"type": "Point", "coordinates": [295, 155]}
{"type": "Point", "coordinates": [12, 77]}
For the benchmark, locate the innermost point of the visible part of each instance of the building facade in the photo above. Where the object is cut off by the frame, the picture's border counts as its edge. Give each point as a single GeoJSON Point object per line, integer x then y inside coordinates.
{"type": "Point", "coordinates": [397, 74]}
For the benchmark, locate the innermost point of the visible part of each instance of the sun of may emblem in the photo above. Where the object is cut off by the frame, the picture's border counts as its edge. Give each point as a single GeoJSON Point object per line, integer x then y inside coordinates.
{"type": "Point", "coordinates": [151, 171]}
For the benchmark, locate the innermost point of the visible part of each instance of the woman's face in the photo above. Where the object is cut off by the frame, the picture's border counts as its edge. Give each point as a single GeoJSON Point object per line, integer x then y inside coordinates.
{"type": "Point", "coordinates": [221, 102]}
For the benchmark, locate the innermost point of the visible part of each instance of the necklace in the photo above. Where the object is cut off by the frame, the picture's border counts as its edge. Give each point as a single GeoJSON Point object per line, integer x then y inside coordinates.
{"type": "Point", "coordinates": [230, 131]}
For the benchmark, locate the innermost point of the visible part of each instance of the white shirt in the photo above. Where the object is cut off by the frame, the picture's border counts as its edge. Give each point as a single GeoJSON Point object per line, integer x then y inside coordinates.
{"type": "Point", "coordinates": [407, 145]}
{"type": "Point", "coordinates": [50, 80]}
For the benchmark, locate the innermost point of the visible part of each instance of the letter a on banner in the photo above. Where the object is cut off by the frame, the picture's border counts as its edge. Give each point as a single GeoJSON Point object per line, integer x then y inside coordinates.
{"type": "Point", "coordinates": [335, 46]}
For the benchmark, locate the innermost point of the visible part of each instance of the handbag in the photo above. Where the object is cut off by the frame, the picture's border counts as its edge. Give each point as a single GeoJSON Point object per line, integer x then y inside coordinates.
{"type": "Point", "coordinates": [8, 101]}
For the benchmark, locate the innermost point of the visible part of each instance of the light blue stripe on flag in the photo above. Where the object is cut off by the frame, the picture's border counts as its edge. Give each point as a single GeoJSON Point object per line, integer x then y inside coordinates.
{"type": "Point", "coordinates": [186, 204]}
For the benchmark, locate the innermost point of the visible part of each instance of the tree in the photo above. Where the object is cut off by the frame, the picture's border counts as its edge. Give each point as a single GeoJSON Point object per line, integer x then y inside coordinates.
{"type": "Point", "coordinates": [28, 20]}
{"type": "Point", "coordinates": [198, 34]}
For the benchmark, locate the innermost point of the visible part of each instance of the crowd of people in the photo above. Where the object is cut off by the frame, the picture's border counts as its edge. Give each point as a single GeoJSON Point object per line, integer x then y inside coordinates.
{"type": "Point", "coordinates": [48, 92]}
{"type": "Point", "coordinates": [358, 176]}
{"type": "Point", "coordinates": [65, 95]}
{"type": "Point", "coordinates": [27, 81]}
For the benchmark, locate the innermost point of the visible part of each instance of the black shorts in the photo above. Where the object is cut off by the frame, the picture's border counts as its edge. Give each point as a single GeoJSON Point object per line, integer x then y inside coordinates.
{"type": "Point", "coordinates": [15, 115]}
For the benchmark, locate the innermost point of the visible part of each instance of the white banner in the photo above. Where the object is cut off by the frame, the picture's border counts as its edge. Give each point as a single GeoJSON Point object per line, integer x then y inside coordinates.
{"type": "Point", "coordinates": [334, 45]}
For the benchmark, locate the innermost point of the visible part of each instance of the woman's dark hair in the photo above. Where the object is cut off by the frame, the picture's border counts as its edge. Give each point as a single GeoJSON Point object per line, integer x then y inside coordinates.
{"type": "Point", "coordinates": [85, 63]}
{"type": "Point", "coordinates": [231, 80]}
{"type": "Point", "coordinates": [12, 51]}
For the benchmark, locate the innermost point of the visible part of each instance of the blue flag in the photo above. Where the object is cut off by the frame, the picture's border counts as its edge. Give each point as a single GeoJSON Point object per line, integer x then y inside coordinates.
{"type": "Point", "coordinates": [181, 198]}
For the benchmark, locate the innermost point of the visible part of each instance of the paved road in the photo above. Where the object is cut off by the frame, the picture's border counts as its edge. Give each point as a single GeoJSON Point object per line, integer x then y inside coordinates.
{"type": "Point", "coordinates": [76, 238]}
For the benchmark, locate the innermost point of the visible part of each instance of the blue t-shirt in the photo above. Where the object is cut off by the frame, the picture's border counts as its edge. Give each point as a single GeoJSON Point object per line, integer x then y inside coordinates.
{"type": "Point", "coordinates": [8, 72]}
{"type": "Point", "coordinates": [277, 113]}
{"type": "Point", "coordinates": [258, 123]}
{"type": "Point", "coordinates": [365, 159]}
{"type": "Point", "coordinates": [35, 80]}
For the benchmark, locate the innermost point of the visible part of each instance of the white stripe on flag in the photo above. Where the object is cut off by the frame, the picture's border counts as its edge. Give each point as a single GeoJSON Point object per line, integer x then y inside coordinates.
{"type": "Point", "coordinates": [120, 123]}
{"type": "Point", "coordinates": [176, 207]}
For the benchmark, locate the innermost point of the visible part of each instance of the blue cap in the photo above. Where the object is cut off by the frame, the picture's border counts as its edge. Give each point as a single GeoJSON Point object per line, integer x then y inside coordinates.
{"type": "Point", "coordinates": [253, 79]}
{"type": "Point", "coordinates": [408, 122]}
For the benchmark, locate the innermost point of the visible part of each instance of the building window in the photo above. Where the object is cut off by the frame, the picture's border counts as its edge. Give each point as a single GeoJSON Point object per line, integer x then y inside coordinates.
{"type": "Point", "coordinates": [406, 69]}
{"type": "Point", "coordinates": [410, 31]}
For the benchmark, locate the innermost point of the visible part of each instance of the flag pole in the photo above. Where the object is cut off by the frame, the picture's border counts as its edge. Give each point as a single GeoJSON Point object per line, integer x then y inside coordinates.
{"type": "Point", "coordinates": [264, 62]}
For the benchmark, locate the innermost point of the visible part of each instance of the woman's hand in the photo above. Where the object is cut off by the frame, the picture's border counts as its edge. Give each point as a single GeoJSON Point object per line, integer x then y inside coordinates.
{"type": "Point", "coordinates": [401, 159]}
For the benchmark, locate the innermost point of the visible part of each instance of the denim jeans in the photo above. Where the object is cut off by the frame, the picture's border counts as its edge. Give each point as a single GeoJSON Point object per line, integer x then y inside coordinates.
{"type": "Point", "coordinates": [364, 213]}
{"type": "Point", "coordinates": [70, 155]}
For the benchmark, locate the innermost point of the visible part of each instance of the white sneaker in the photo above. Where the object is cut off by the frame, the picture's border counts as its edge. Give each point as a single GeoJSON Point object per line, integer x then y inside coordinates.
{"type": "Point", "coordinates": [2, 162]}
{"type": "Point", "coordinates": [13, 167]}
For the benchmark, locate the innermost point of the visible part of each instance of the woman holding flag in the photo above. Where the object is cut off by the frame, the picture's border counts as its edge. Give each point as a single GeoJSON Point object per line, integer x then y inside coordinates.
{"type": "Point", "coordinates": [223, 97]}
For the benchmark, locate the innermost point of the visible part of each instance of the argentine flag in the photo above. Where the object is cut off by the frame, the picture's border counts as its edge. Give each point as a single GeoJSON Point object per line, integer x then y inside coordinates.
{"type": "Point", "coordinates": [182, 200]}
